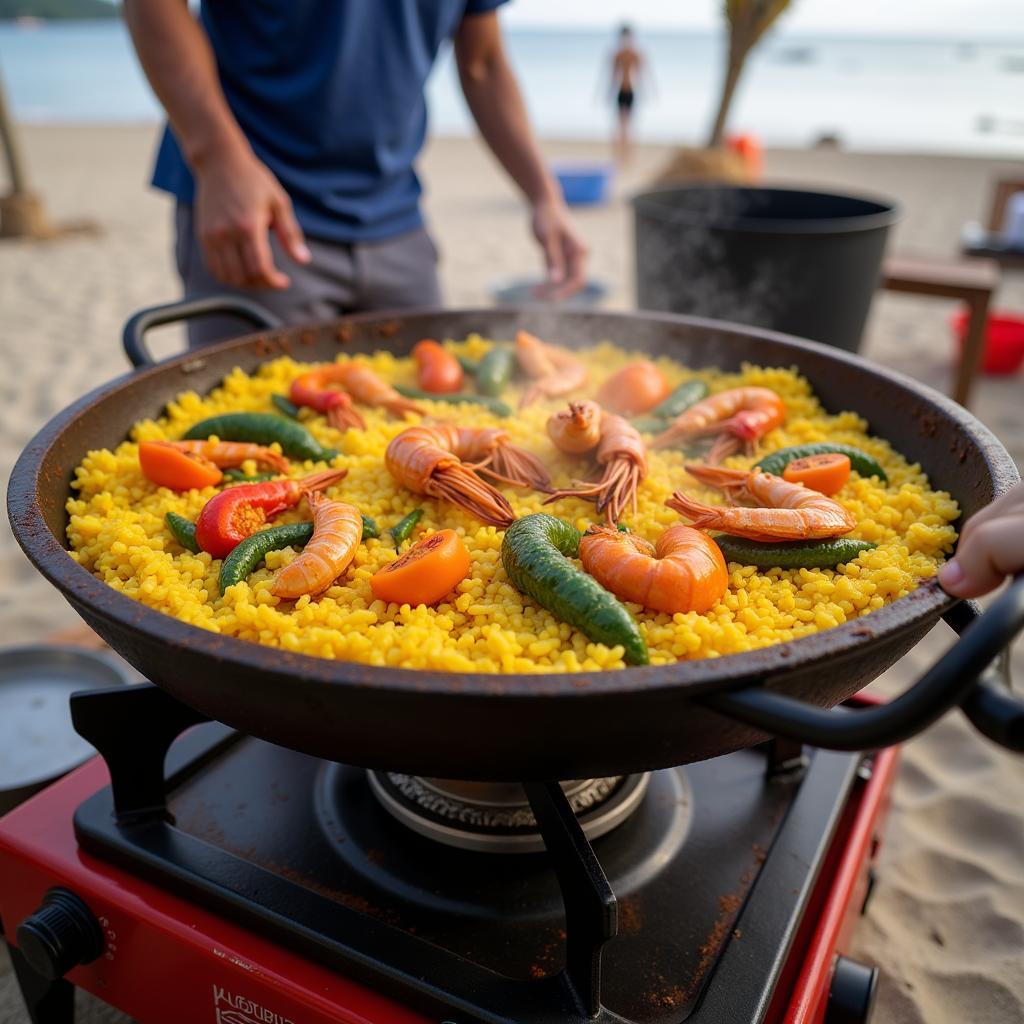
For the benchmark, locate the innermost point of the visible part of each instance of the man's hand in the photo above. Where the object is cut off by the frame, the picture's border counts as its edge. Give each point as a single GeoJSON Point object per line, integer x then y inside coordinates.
{"type": "Point", "coordinates": [565, 256]}
{"type": "Point", "coordinates": [238, 202]}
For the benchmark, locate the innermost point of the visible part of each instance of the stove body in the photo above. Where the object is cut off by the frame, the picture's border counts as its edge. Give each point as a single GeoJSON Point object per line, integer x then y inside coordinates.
{"type": "Point", "coordinates": [271, 888]}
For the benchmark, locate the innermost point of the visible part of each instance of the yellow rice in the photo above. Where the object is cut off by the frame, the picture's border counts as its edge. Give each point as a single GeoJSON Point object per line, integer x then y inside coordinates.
{"type": "Point", "coordinates": [117, 532]}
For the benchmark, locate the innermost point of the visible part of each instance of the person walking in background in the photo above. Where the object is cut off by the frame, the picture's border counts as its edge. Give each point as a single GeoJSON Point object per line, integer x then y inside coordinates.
{"type": "Point", "coordinates": [294, 125]}
{"type": "Point", "coordinates": [627, 68]}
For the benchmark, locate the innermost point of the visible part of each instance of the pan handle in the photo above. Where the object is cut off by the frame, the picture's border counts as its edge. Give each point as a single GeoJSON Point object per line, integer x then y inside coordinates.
{"type": "Point", "coordinates": [133, 336]}
{"type": "Point", "coordinates": [974, 674]}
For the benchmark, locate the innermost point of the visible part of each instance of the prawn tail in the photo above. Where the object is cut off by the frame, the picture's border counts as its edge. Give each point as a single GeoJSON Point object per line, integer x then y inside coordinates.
{"type": "Point", "coordinates": [343, 417]}
{"type": "Point", "coordinates": [717, 476]}
{"type": "Point", "coordinates": [672, 436]}
{"type": "Point", "coordinates": [699, 514]}
{"type": "Point", "coordinates": [725, 445]}
{"type": "Point", "coordinates": [462, 487]}
{"type": "Point", "coordinates": [403, 406]}
{"type": "Point", "coordinates": [531, 395]}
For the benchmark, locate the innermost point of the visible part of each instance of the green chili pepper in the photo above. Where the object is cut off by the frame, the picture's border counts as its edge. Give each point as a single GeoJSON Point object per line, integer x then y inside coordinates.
{"type": "Point", "coordinates": [183, 530]}
{"type": "Point", "coordinates": [867, 466]}
{"type": "Point", "coordinates": [239, 476]}
{"type": "Point", "coordinates": [686, 394]}
{"type": "Point", "coordinates": [370, 528]}
{"type": "Point", "coordinates": [496, 371]}
{"type": "Point", "coordinates": [286, 405]}
{"type": "Point", "coordinates": [402, 530]}
{"type": "Point", "coordinates": [457, 398]}
{"type": "Point", "coordinates": [263, 428]}
{"type": "Point", "coordinates": [536, 552]}
{"type": "Point", "coordinates": [650, 425]}
{"type": "Point", "coordinates": [470, 366]}
{"type": "Point", "coordinates": [804, 554]}
{"type": "Point", "coordinates": [246, 556]}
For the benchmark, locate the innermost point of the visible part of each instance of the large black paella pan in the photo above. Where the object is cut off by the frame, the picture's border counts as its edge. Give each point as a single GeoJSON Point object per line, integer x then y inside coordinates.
{"type": "Point", "coordinates": [551, 726]}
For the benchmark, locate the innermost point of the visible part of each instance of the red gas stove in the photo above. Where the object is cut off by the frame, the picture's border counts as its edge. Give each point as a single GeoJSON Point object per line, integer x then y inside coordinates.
{"type": "Point", "coordinates": [238, 882]}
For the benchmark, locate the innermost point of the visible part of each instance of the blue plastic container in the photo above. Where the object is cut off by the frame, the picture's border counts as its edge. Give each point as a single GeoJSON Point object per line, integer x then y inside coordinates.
{"type": "Point", "coordinates": [584, 184]}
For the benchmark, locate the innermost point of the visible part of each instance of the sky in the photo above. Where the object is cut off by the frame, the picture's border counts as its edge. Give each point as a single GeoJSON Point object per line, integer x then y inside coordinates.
{"type": "Point", "coordinates": [970, 18]}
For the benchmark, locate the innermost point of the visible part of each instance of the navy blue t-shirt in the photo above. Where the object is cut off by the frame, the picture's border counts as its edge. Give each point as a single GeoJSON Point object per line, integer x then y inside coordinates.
{"type": "Point", "coordinates": [329, 94]}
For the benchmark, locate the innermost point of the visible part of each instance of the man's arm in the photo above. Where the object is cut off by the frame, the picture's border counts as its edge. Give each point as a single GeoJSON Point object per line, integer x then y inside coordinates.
{"type": "Point", "coordinates": [496, 104]}
{"type": "Point", "coordinates": [238, 200]}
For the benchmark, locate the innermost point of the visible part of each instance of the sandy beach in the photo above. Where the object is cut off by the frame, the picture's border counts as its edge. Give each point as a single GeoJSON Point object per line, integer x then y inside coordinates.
{"type": "Point", "coordinates": [946, 922]}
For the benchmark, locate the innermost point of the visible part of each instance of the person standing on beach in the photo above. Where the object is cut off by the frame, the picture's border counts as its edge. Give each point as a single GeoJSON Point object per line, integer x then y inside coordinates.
{"type": "Point", "coordinates": [626, 71]}
{"type": "Point", "coordinates": [293, 129]}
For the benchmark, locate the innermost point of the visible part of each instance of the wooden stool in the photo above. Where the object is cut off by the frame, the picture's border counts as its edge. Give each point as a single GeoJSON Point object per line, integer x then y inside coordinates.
{"type": "Point", "coordinates": [973, 281]}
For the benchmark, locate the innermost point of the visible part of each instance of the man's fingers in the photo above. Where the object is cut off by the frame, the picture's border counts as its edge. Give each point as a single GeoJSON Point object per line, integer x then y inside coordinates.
{"type": "Point", "coordinates": [554, 257]}
{"type": "Point", "coordinates": [259, 262]}
{"type": "Point", "coordinates": [575, 267]}
{"type": "Point", "coordinates": [985, 557]}
{"type": "Point", "coordinates": [287, 229]}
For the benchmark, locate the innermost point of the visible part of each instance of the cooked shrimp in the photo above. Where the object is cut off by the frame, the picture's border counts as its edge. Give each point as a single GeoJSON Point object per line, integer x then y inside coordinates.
{"type": "Point", "coordinates": [359, 383]}
{"type": "Point", "coordinates": [228, 454]}
{"type": "Point", "coordinates": [684, 572]}
{"type": "Point", "coordinates": [337, 530]}
{"type": "Point", "coordinates": [577, 429]}
{"type": "Point", "coordinates": [310, 389]}
{"type": "Point", "coordinates": [738, 416]}
{"type": "Point", "coordinates": [784, 511]}
{"type": "Point", "coordinates": [443, 461]}
{"type": "Point", "coordinates": [555, 371]}
{"type": "Point", "coordinates": [370, 388]}
{"type": "Point", "coordinates": [620, 449]}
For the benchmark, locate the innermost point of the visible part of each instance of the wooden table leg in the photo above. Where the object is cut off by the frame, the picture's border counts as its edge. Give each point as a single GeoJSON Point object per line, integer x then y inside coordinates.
{"type": "Point", "coordinates": [974, 345]}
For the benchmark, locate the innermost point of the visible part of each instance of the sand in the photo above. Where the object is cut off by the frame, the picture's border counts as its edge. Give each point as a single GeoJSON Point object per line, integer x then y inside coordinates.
{"type": "Point", "coordinates": [946, 922]}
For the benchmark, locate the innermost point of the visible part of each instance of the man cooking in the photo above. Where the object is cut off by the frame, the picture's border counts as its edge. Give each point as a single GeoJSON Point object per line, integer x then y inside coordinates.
{"type": "Point", "coordinates": [294, 125]}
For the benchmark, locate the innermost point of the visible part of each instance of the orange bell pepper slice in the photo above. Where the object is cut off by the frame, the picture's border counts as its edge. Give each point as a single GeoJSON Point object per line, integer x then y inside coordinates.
{"type": "Point", "coordinates": [428, 571]}
{"type": "Point", "coordinates": [166, 466]}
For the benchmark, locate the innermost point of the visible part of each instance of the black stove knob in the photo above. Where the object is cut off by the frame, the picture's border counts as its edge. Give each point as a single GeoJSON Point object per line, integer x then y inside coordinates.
{"type": "Point", "coordinates": [61, 934]}
{"type": "Point", "coordinates": [851, 998]}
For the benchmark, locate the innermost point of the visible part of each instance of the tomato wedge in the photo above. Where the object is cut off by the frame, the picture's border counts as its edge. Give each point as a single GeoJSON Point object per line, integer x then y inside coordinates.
{"type": "Point", "coordinates": [428, 571]}
{"type": "Point", "coordinates": [166, 466]}
{"type": "Point", "coordinates": [824, 473]}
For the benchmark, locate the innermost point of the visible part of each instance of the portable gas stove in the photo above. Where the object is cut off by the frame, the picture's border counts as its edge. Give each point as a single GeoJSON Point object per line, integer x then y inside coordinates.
{"type": "Point", "coordinates": [269, 887]}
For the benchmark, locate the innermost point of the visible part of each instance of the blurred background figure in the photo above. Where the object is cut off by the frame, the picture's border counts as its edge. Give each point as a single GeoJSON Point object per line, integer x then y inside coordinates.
{"type": "Point", "coordinates": [627, 70]}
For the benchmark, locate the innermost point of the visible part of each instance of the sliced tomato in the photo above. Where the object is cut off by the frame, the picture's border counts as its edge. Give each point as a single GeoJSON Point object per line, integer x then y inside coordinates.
{"type": "Point", "coordinates": [825, 473]}
{"type": "Point", "coordinates": [428, 571]}
{"type": "Point", "coordinates": [166, 466]}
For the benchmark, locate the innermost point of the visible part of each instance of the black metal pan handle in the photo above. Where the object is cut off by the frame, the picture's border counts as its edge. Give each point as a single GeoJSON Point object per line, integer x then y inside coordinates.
{"type": "Point", "coordinates": [974, 674]}
{"type": "Point", "coordinates": [133, 336]}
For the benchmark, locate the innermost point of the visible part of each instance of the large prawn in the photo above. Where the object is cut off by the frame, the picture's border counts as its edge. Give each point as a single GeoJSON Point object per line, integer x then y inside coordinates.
{"type": "Point", "coordinates": [337, 531]}
{"type": "Point", "coordinates": [584, 427]}
{"type": "Point", "coordinates": [555, 371]}
{"type": "Point", "coordinates": [443, 460]}
{"type": "Point", "coordinates": [230, 454]}
{"type": "Point", "coordinates": [358, 382]}
{"type": "Point", "coordinates": [684, 572]}
{"type": "Point", "coordinates": [784, 511]}
{"type": "Point", "coordinates": [735, 418]}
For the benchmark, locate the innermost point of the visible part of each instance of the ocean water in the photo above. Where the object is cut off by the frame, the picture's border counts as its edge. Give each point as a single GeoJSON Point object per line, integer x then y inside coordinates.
{"type": "Point", "coordinates": [934, 95]}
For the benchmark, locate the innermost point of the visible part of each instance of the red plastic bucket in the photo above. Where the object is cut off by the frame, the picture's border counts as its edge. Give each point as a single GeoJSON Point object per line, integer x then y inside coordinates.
{"type": "Point", "coordinates": [1004, 341]}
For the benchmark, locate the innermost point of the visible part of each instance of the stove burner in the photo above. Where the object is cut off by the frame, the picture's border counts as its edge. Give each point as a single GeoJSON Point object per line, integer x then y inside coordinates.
{"type": "Point", "coordinates": [496, 817]}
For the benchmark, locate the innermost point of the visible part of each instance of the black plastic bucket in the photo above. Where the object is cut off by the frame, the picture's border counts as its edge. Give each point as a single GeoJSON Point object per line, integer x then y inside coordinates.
{"type": "Point", "coordinates": [805, 263]}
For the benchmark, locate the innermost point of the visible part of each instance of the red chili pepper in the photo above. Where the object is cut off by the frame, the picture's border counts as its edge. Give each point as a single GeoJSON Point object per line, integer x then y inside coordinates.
{"type": "Point", "coordinates": [238, 512]}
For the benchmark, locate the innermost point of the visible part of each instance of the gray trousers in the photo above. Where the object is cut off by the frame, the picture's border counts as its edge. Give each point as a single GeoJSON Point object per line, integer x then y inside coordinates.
{"type": "Point", "coordinates": [392, 274]}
